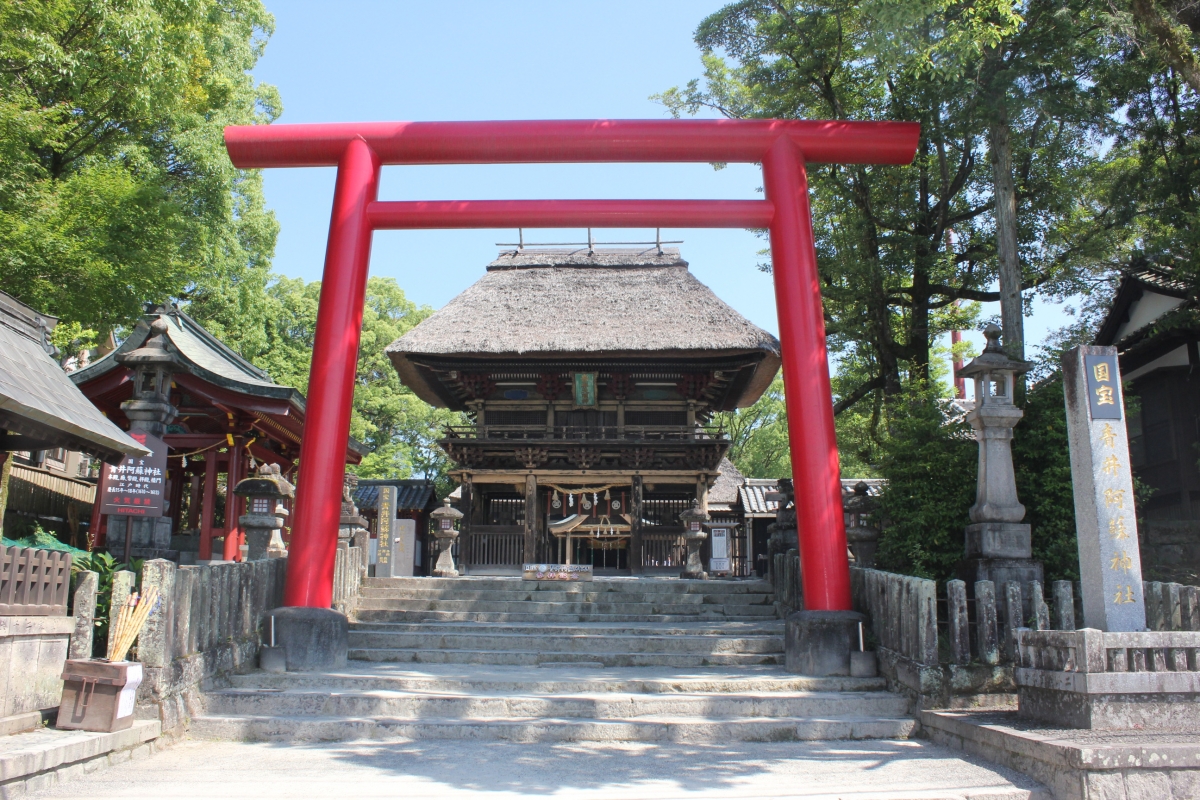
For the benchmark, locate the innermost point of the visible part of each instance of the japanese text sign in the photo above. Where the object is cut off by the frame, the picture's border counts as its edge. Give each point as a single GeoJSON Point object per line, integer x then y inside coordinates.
{"type": "Point", "coordinates": [136, 486]}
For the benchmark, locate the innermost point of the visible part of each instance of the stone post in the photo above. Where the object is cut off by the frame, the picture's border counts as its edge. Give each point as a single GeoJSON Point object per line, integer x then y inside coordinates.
{"type": "Point", "coordinates": [1110, 565]}
{"type": "Point", "coordinates": [694, 520]}
{"type": "Point", "coordinates": [84, 608]}
{"type": "Point", "coordinates": [444, 520]}
{"type": "Point", "coordinates": [385, 533]}
{"type": "Point", "coordinates": [998, 545]}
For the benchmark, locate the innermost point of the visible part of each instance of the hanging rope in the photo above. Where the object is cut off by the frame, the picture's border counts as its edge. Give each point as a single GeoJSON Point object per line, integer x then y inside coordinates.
{"type": "Point", "coordinates": [587, 489]}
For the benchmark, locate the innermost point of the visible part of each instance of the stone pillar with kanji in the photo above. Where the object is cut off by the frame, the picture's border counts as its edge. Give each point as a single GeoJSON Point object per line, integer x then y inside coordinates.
{"type": "Point", "coordinates": [1110, 567]}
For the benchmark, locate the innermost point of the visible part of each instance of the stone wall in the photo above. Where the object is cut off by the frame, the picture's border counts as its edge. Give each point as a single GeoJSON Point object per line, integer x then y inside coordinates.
{"type": "Point", "coordinates": [208, 627]}
{"type": "Point", "coordinates": [32, 653]}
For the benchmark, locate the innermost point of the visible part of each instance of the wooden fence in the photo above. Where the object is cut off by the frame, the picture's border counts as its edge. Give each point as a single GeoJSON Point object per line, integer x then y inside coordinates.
{"type": "Point", "coordinates": [33, 583]}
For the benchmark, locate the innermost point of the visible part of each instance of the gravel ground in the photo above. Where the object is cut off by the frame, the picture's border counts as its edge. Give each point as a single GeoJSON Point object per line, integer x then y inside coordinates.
{"type": "Point", "coordinates": [885, 770]}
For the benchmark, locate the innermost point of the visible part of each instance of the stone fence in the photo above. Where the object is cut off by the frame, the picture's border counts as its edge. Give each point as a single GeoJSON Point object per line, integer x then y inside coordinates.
{"type": "Point", "coordinates": [349, 571]}
{"type": "Point", "coordinates": [952, 648]}
{"type": "Point", "coordinates": [211, 624]}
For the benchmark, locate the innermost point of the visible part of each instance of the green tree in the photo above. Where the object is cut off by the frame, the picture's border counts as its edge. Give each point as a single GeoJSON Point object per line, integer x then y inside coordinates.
{"type": "Point", "coordinates": [898, 247]}
{"type": "Point", "coordinates": [115, 187]}
{"type": "Point", "coordinates": [274, 324]}
{"type": "Point", "coordinates": [759, 435]}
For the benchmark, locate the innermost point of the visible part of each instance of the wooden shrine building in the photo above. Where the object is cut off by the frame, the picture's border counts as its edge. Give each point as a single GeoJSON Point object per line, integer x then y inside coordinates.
{"type": "Point", "coordinates": [229, 413]}
{"type": "Point", "coordinates": [590, 380]}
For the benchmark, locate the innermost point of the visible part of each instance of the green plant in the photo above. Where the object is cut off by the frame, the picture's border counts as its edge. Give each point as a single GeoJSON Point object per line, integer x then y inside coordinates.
{"type": "Point", "coordinates": [105, 567]}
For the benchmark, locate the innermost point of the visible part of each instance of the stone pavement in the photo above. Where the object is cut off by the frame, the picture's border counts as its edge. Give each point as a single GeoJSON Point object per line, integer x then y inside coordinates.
{"type": "Point", "coordinates": [882, 770]}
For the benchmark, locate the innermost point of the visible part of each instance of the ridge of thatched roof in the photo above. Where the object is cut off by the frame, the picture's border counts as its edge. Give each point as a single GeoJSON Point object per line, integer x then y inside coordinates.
{"type": "Point", "coordinates": [566, 301]}
{"type": "Point", "coordinates": [543, 303]}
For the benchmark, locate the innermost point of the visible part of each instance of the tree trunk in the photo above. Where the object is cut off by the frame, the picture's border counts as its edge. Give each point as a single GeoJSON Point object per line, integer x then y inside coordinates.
{"type": "Point", "coordinates": [1004, 193]}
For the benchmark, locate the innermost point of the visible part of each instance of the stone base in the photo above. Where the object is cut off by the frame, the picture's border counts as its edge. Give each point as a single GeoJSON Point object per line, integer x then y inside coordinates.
{"type": "Point", "coordinates": [313, 638]}
{"type": "Point", "coordinates": [272, 659]}
{"type": "Point", "coordinates": [819, 643]}
{"type": "Point", "coordinates": [1110, 700]}
{"type": "Point", "coordinates": [1075, 765]}
{"type": "Point", "coordinates": [999, 540]}
{"type": "Point", "coordinates": [1000, 571]}
{"type": "Point", "coordinates": [864, 665]}
{"type": "Point", "coordinates": [694, 576]}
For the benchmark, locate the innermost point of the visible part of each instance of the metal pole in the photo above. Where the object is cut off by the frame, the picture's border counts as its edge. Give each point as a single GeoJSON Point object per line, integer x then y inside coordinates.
{"type": "Point", "coordinates": [331, 382]}
{"type": "Point", "coordinates": [815, 471]}
{"type": "Point", "coordinates": [128, 540]}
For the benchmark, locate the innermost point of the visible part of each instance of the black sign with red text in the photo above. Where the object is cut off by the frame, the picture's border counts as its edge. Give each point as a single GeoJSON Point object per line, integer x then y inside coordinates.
{"type": "Point", "coordinates": [136, 486]}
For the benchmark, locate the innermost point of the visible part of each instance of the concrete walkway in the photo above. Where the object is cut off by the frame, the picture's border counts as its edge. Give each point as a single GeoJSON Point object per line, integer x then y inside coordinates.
{"type": "Point", "coordinates": [882, 770]}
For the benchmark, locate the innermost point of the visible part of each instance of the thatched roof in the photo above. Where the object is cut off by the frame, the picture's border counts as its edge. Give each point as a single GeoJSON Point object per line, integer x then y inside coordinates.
{"type": "Point", "coordinates": [569, 303]}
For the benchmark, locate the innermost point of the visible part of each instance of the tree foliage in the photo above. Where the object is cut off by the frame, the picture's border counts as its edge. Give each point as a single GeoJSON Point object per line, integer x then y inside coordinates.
{"type": "Point", "coordinates": [273, 325]}
{"type": "Point", "coordinates": [899, 247]}
{"type": "Point", "coordinates": [115, 187]}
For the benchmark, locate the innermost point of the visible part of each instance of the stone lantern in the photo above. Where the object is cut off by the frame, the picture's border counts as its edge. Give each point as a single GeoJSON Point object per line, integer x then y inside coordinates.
{"type": "Point", "coordinates": [694, 534]}
{"type": "Point", "coordinates": [150, 409]}
{"type": "Point", "coordinates": [998, 544]}
{"type": "Point", "coordinates": [445, 530]}
{"type": "Point", "coordinates": [264, 517]}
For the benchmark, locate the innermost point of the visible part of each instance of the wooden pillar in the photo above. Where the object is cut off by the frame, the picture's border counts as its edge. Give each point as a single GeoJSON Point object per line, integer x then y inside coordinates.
{"type": "Point", "coordinates": [177, 478]}
{"type": "Point", "coordinates": [620, 419]}
{"type": "Point", "coordinates": [635, 521]}
{"type": "Point", "coordinates": [208, 506]}
{"type": "Point", "coordinates": [531, 518]}
{"type": "Point", "coordinates": [194, 500]}
{"type": "Point", "coordinates": [236, 456]}
{"type": "Point", "coordinates": [467, 507]}
{"type": "Point", "coordinates": [97, 518]}
{"type": "Point", "coordinates": [702, 491]}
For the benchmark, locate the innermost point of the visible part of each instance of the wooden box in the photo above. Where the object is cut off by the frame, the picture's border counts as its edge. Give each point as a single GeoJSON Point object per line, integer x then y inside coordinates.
{"type": "Point", "coordinates": [98, 695]}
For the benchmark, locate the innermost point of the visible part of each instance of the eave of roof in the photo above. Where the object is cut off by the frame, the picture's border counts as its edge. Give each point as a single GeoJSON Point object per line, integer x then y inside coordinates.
{"type": "Point", "coordinates": [39, 403]}
{"type": "Point", "coordinates": [1135, 282]}
{"type": "Point", "coordinates": [563, 304]}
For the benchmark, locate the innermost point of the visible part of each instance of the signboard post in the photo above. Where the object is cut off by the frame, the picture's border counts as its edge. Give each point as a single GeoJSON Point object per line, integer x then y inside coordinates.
{"type": "Point", "coordinates": [719, 560]}
{"type": "Point", "coordinates": [1110, 566]}
{"type": "Point", "coordinates": [136, 486]}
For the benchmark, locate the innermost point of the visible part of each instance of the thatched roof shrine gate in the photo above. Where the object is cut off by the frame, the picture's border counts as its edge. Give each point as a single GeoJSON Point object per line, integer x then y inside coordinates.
{"type": "Point", "coordinates": [783, 147]}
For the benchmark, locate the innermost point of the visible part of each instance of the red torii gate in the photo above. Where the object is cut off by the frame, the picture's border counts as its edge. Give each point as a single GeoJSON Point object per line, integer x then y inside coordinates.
{"type": "Point", "coordinates": [783, 147]}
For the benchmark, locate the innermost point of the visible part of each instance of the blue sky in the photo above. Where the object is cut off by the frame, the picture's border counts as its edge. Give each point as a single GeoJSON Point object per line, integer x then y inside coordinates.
{"type": "Point", "coordinates": [359, 60]}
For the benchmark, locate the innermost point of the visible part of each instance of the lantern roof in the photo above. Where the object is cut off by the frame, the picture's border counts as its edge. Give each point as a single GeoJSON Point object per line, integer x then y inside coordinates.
{"type": "Point", "coordinates": [993, 358]}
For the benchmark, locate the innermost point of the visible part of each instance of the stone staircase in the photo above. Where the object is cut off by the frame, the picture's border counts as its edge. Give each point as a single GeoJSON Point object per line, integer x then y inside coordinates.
{"type": "Point", "coordinates": [612, 660]}
{"type": "Point", "coordinates": [603, 600]}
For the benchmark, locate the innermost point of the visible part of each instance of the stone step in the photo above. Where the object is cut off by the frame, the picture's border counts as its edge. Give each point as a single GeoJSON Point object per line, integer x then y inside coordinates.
{"type": "Point", "coordinates": [675, 598]}
{"type": "Point", "coordinates": [766, 627]}
{"type": "Point", "coordinates": [532, 659]}
{"type": "Point", "coordinates": [590, 609]}
{"type": "Point", "coordinates": [499, 640]}
{"type": "Point", "coordinates": [471, 679]}
{"type": "Point", "coordinates": [606, 705]}
{"type": "Point", "coordinates": [618, 585]}
{"type": "Point", "coordinates": [407, 615]}
{"type": "Point", "coordinates": [246, 727]}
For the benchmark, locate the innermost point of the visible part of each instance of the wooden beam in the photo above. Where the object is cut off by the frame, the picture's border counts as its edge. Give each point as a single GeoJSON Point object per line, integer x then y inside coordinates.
{"type": "Point", "coordinates": [635, 533]}
{"type": "Point", "coordinates": [531, 518]}
{"type": "Point", "coordinates": [581, 477]}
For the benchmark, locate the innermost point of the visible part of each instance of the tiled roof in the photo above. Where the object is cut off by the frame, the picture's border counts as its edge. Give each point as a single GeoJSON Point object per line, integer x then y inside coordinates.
{"type": "Point", "coordinates": [201, 353]}
{"type": "Point", "coordinates": [753, 493]}
{"type": "Point", "coordinates": [411, 495]}
{"type": "Point", "coordinates": [39, 401]}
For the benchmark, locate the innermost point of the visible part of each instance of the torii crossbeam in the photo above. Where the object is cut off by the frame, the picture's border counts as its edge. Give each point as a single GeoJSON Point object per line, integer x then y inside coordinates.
{"type": "Point", "coordinates": [783, 147]}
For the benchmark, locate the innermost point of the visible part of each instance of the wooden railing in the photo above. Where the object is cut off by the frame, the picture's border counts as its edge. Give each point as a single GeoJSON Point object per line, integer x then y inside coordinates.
{"type": "Point", "coordinates": [33, 583]}
{"type": "Point", "coordinates": [494, 546]}
{"type": "Point", "coordinates": [586, 432]}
